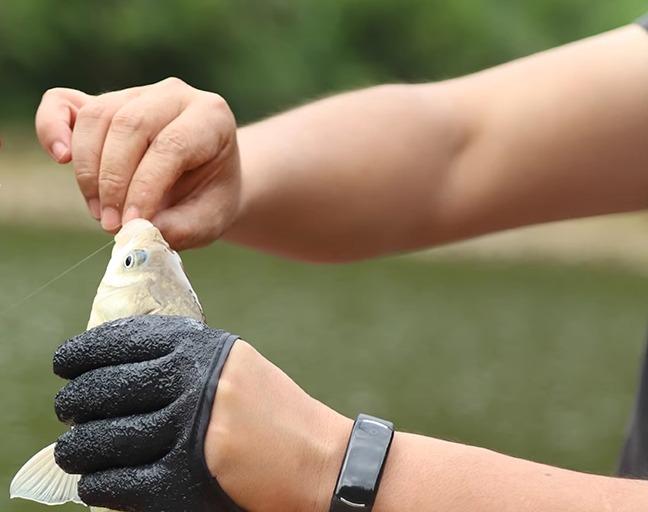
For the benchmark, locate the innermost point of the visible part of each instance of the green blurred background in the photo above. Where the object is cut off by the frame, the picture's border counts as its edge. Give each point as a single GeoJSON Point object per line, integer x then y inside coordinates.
{"type": "Point", "coordinates": [535, 357]}
{"type": "Point", "coordinates": [263, 55]}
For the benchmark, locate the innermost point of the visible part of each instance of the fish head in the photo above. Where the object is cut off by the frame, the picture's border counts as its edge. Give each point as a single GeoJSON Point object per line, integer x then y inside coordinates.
{"type": "Point", "coordinates": [140, 253]}
{"type": "Point", "coordinates": [144, 276]}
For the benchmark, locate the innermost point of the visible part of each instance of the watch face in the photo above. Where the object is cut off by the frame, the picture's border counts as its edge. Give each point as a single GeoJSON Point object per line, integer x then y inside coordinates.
{"type": "Point", "coordinates": [363, 463]}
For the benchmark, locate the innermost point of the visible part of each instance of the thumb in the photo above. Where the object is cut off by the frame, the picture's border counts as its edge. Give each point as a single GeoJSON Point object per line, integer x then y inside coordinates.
{"type": "Point", "coordinates": [187, 225]}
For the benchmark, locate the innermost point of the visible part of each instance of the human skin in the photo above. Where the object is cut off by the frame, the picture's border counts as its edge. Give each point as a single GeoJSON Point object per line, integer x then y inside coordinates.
{"type": "Point", "coordinates": [275, 448]}
{"type": "Point", "coordinates": [393, 168]}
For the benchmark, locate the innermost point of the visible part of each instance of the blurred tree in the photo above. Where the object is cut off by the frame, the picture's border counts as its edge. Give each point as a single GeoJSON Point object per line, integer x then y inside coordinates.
{"type": "Point", "coordinates": [264, 55]}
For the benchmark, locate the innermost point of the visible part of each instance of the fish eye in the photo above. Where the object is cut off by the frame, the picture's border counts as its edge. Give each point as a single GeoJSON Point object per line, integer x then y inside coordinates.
{"type": "Point", "coordinates": [134, 258]}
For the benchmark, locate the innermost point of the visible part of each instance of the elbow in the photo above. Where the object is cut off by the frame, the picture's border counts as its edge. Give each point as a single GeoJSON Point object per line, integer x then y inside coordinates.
{"type": "Point", "coordinates": [452, 130]}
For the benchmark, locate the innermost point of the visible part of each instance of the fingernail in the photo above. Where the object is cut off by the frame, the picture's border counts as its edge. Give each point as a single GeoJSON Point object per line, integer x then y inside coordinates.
{"type": "Point", "coordinates": [109, 218]}
{"type": "Point", "coordinates": [58, 150]}
{"type": "Point", "coordinates": [131, 213]}
{"type": "Point", "coordinates": [95, 209]}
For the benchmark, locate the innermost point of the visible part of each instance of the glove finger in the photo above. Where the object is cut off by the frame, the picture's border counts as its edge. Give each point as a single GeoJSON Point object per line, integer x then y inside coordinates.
{"type": "Point", "coordinates": [128, 340]}
{"type": "Point", "coordinates": [137, 488]}
{"type": "Point", "coordinates": [123, 442]}
{"type": "Point", "coordinates": [123, 390]}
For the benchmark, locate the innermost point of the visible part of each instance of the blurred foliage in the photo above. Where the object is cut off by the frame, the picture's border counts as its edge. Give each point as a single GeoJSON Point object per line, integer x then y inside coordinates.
{"type": "Point", "coordinates": [264, 55]}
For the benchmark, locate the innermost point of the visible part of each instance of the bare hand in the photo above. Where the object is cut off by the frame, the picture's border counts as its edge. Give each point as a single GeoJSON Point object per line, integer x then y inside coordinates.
{"type": "Point", "coordinates": [166, 152]}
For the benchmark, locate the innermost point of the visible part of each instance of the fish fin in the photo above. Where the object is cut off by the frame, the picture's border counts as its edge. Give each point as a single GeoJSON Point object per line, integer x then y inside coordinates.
{"type": "Point", "coordinates": [41, 480]}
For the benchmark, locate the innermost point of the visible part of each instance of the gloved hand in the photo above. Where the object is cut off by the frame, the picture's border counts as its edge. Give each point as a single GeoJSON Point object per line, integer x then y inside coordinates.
{"type": "Point", "coordinates": [140, 402]}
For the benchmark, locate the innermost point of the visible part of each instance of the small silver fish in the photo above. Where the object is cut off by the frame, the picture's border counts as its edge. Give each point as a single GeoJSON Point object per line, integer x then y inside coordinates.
{"type": "Point", "coordinates": [144, 276]}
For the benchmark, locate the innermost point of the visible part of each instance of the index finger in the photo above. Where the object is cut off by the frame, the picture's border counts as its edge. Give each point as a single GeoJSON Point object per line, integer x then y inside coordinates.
{"type": "Point", "coordinates": [124, 341]}
{"type": "Point", "coordinates": [197, 136]}
{"type": "Point", "coordinates": [55, 120]}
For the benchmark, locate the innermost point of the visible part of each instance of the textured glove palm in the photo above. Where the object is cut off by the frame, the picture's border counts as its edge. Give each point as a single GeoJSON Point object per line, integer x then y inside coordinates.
{"type": "Point", "coordinates": [140, 399]}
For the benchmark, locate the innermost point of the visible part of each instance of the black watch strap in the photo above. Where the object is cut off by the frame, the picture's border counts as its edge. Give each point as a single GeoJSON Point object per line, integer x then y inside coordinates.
{"type": "Point", "coordinates": [363, 465]}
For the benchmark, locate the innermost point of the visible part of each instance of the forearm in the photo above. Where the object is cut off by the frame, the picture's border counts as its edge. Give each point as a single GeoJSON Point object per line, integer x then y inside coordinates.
{"type": "Point", "coordinates": [553, 136]}
{"type": "Point", "coordinates": [428, 474]}
{"type": "Point", "coordinates": [350, 176]}
{"type": "Point", "coordinates": [273, 447]}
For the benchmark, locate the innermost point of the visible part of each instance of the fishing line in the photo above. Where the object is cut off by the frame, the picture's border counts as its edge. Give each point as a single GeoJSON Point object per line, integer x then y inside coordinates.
{"type": "Point", "coordinates": [54, 279]}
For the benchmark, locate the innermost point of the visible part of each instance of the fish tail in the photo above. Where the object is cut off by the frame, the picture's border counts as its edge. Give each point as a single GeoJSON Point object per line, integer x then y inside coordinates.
{"type": "Point", "coordinates": [43, 481]}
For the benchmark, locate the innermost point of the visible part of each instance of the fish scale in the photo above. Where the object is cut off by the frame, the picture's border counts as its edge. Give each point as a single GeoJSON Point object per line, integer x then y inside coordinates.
{"type": "Point", "coordinates": [144, 276]}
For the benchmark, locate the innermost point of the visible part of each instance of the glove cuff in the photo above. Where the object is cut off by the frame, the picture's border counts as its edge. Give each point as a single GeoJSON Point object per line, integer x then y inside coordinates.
{"type": "Point", "coordinates": [203, 416]}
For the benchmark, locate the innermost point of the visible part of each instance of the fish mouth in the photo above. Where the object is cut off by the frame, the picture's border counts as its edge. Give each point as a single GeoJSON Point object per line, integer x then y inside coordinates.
{"type": "Point", "coordinates": [139, 231]}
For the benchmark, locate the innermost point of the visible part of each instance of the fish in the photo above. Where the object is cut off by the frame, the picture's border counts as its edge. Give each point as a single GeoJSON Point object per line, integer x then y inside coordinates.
{"type": "Point", "coordinates": [144, 277]}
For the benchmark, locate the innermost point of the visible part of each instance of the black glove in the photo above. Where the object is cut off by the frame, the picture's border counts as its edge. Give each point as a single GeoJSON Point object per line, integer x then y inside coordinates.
{"type": "Point", "coordinates": [141, 399]}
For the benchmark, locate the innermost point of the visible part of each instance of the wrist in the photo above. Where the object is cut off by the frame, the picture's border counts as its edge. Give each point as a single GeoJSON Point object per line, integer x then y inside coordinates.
{"type": "Point", "coordinates": [270, 446]}
{"type": "Point", "coordinates": [328, 455]}
{"type": "Point", "coordinates": [252, 163]}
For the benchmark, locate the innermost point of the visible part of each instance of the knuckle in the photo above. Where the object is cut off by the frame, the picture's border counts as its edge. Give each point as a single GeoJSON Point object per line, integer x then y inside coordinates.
{"type": "Point", "coordinates": [172, 142]}
{"type": "Point", "coordinates": [125, 122]}
{"type": "Point", "coordinates": [110, 182]}
{"type": "Point", "coordinates": [53, 92]}
{"type": "Point", "coordinates": [50, 92]}
{"type": "Point", "coordinates": [220, 109]}
{"type": "Point", "coordinates": [216, 101]}
{"type": "Point", "coordinates": [174, 81]}
{"type": "Point", "coordinates": [86, 164]}
{"type": "Point", "coordinates": [93, 110]}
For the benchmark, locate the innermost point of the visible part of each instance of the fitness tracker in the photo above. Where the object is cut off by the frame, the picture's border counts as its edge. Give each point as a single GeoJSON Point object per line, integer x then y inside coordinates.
{"type": "Point", "coordinates": [363, 464]}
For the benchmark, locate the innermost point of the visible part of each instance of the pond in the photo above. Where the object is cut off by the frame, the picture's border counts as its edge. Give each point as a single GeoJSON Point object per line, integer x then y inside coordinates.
{"type": "Point", "coordinates": [538, 361]}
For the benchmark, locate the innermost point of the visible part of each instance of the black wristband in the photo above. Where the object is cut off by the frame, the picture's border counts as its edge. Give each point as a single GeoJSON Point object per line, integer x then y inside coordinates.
{"type": "Point", "coordinates": [643, 21]}
{"type": "Point", "coordinates": [363, 465]}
